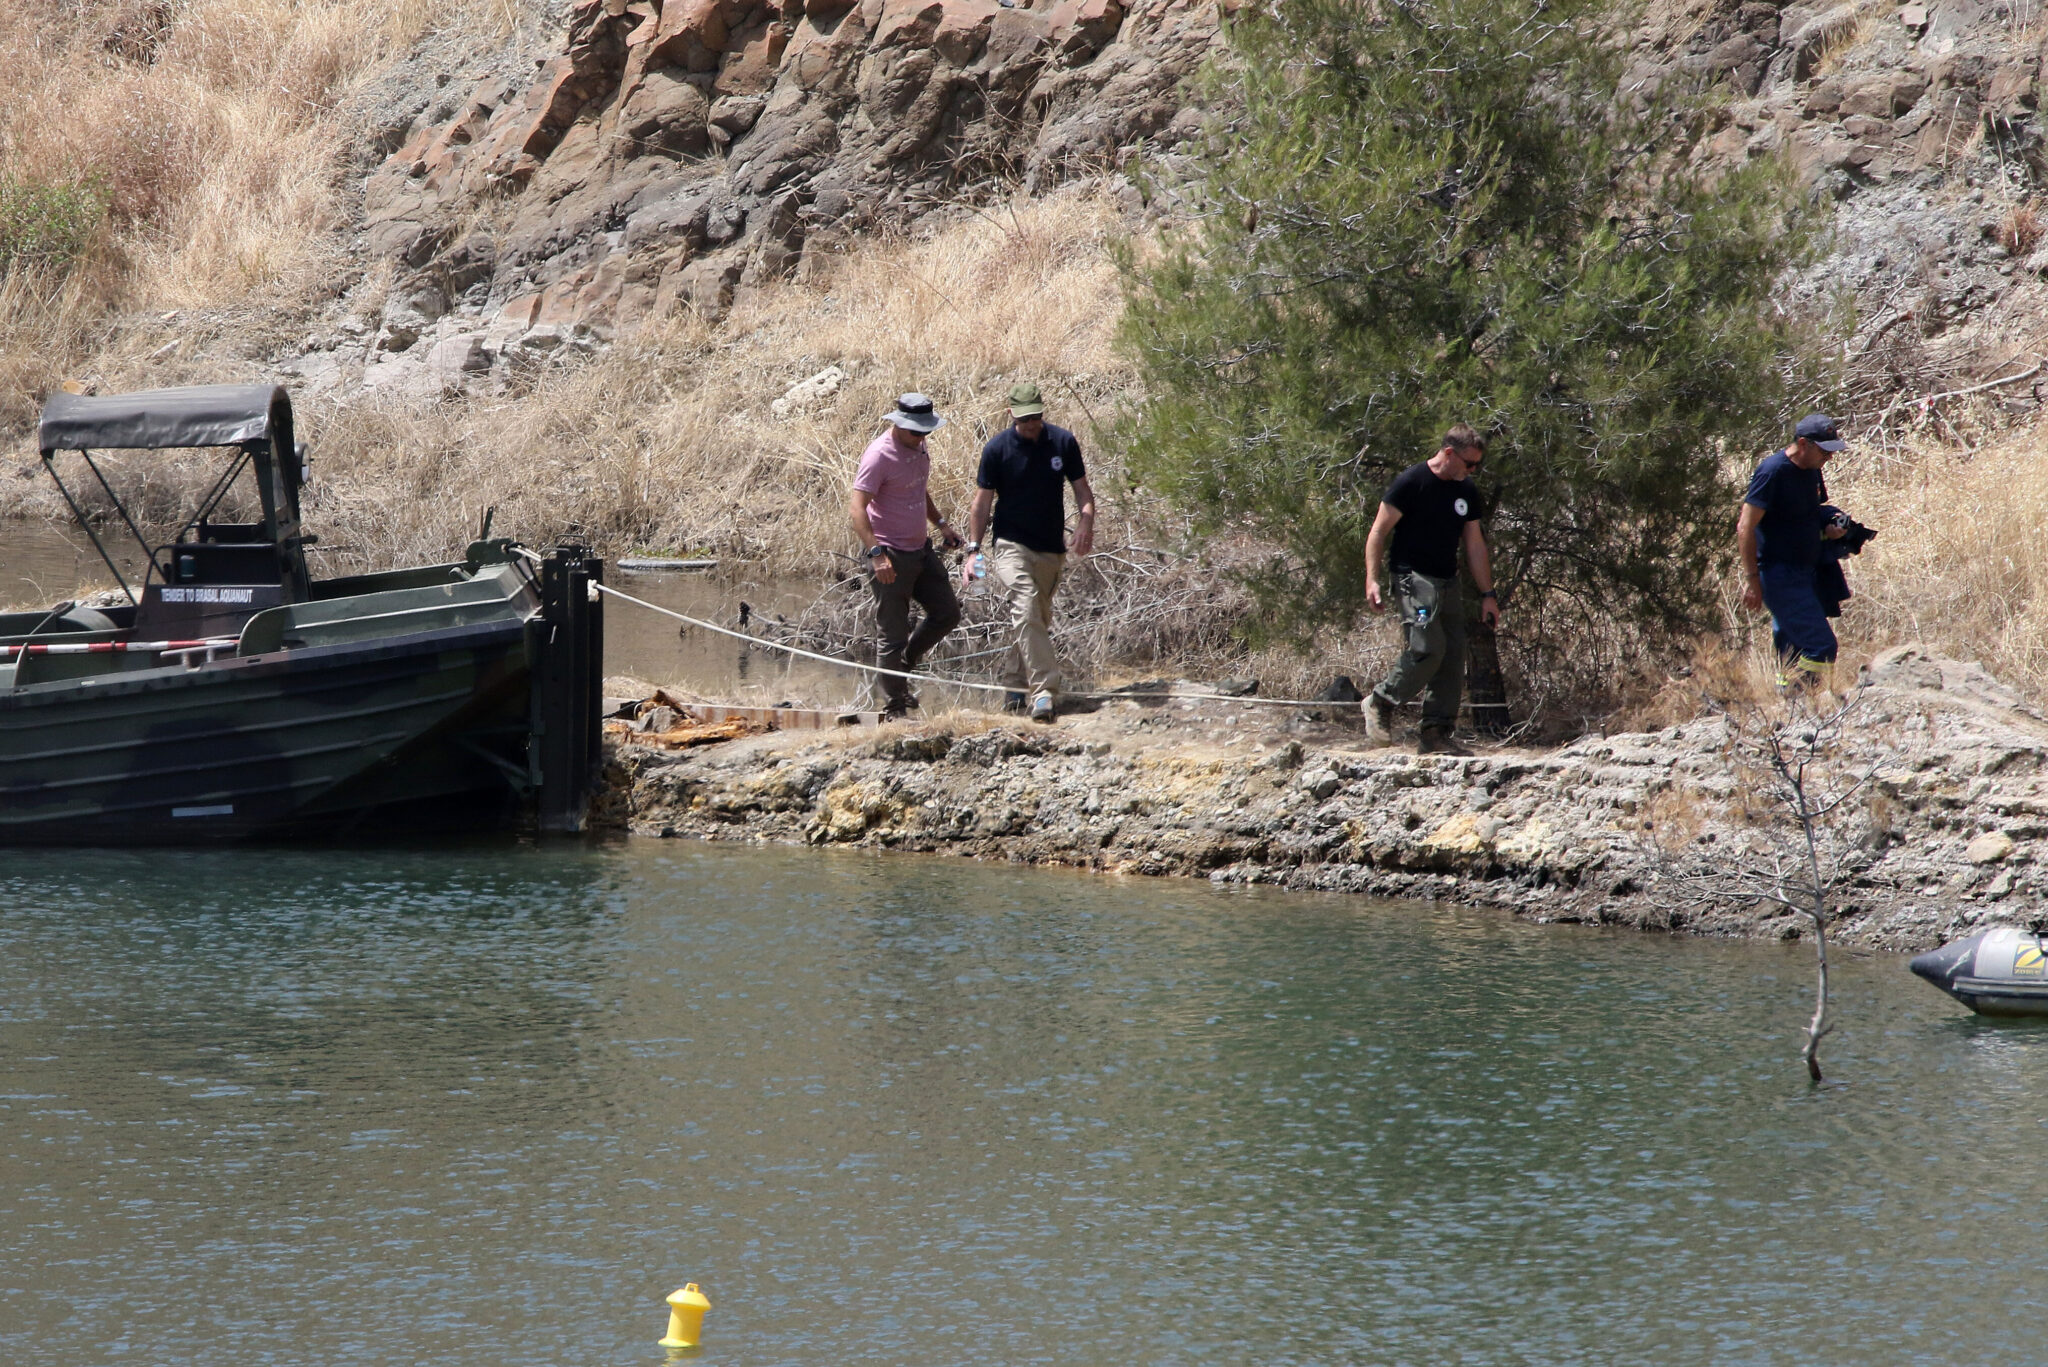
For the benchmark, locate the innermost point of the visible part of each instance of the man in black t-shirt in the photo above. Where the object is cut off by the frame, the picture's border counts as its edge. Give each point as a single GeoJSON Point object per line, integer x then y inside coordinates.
{"type": "Point", "coordinates": [1023, 479]}
{"type": "Point", "coordinates": [1426, 512]}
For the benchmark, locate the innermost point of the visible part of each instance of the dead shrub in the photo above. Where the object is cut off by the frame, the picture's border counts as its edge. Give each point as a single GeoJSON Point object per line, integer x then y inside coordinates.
{"type": "Point", "coordinates": [2021, 228]}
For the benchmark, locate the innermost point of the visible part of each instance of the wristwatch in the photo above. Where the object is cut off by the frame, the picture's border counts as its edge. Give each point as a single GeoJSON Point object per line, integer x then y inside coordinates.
{"type": "Point", "coordinates": [972, 547]}
{"type": "Point", "coordinates": [874, 550]}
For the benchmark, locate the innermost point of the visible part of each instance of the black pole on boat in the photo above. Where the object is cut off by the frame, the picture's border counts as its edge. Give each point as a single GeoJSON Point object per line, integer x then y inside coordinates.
{"type": "Point", "coordinates": [568, 729]}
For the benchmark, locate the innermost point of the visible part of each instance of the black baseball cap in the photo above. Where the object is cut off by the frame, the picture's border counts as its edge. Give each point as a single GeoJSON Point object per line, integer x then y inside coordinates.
{"type": "Point", "coordinates": [1819, 429]}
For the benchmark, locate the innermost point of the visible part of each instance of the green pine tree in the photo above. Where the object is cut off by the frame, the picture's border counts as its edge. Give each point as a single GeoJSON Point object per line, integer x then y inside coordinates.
{"type": "Point", "coordinates": [1429, 212]}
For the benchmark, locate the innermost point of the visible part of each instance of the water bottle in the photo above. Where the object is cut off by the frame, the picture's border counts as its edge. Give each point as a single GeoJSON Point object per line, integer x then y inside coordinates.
{"type": "Point", "coordinates": [977, 566]}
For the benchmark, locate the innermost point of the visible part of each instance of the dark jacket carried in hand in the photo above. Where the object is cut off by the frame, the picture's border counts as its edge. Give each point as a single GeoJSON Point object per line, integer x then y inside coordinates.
{"type": "Point", "coordinates": [1830, 585]}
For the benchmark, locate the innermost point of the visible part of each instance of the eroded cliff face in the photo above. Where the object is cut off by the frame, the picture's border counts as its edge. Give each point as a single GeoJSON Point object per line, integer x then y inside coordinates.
{"type": "Point", "coordinates": [636, 158]}
{"type": "Point", "coordinates": [673, 151]}
{"type": "Point", "coordinates": [1918, 128]}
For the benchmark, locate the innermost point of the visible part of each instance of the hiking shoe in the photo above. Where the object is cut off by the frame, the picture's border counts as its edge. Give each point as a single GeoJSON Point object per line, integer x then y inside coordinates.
{"type": "Point", "coordinates": [1013, 701]}
{"type": "Point", "coordinates": [1041, 708]}
{"type": "Point", "coordinates": [1437, 741]}
{"type": "Point", "coordinates": [897, 709]}
{"type": "Point", "coordinates": [1379, 719]}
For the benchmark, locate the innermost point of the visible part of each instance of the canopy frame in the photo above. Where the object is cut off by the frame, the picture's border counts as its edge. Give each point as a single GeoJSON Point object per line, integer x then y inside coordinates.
{"type": "Point", "coordinates": [256, 420]}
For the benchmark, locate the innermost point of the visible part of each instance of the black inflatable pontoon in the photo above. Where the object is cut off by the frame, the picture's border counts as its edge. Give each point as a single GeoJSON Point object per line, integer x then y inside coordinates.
{"type": "Point", "coordinates": [1999, 972]}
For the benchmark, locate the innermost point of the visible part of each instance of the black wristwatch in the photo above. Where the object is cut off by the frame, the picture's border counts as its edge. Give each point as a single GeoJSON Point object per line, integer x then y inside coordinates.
{"type": "Point", "coordinates": [874, 550]}
{"type": "Point", "coordinates": [1488, 593]}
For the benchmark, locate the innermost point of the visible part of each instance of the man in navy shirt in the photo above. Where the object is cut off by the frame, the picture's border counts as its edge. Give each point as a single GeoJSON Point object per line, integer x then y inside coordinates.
{"type": "Point", "coordinates": [1778, 544]}
{"type": "Point", "coordinates": [1023, 479]}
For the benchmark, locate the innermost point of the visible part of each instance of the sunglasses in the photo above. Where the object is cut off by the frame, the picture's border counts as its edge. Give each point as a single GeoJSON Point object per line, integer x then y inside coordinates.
{"type": "Point", "coordinates": [1473, 458]}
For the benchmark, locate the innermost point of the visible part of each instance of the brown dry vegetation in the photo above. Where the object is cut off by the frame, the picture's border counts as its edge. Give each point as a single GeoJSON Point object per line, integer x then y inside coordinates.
{"type": "Point", "coordinates": [216, 140]}
{"type": "Point", "coordinates": [1960, 562]}
{"type": "Point", "coordinates": [210, 129]}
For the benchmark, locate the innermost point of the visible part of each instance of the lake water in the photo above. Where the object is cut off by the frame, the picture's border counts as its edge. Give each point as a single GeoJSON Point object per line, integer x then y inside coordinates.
{"type": "Point", "coordinates": [488, 1104]}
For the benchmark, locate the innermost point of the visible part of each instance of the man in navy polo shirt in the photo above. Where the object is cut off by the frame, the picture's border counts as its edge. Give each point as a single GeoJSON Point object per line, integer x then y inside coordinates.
{"type": "Point", "coordinates": [1778, 545]}
{"type": "Point", "coordinates": [1023, 479]}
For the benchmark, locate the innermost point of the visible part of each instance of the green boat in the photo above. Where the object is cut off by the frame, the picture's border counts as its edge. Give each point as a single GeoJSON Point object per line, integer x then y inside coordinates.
{"type": "Point", "coordinates": [235, 697]}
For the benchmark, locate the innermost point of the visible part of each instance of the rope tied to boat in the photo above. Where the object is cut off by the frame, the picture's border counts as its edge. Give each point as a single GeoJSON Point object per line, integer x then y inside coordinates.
{"type": "Point", "coordinates": [878, 670]}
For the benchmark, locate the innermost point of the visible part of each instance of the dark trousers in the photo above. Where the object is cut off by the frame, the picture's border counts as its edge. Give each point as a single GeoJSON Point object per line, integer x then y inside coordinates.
{"type": "Point", "coordinates": [1433, 615]}
{"type": "Point", "coordinates": [1799, 624]}
{"type": "Point", "coordinates": [920, 575]}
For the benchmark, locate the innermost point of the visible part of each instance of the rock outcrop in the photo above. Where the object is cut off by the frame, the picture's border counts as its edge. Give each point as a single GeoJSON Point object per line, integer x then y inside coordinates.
{"type": "Point", "coordinates": [654, 156]}
{"type": "Point", "coordinates": [1952, 832]}
{"type": "Point", "coordinates": [673, 151]}
{"type": "Point", "coordinates": [1919, 125]}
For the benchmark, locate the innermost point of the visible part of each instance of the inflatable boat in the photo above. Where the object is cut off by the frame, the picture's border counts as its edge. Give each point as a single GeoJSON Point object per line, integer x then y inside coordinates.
{"type": "Point", "coordinates": [2000, 972]}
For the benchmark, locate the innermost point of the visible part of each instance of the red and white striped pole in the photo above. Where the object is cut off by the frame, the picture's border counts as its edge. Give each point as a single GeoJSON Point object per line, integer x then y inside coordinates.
{"type": "Point", "coordinates": [109, 647]}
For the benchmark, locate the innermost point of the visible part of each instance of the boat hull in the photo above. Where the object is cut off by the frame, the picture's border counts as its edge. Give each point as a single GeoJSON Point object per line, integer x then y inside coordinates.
{"type": "Point", "coordinates": [1999, 972]}
{"type": "Point", "coordinates": [322, 742]}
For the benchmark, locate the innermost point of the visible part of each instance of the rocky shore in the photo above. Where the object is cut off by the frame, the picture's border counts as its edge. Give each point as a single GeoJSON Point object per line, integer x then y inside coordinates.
{"type": "Point", "coordinates": [1946, 836]}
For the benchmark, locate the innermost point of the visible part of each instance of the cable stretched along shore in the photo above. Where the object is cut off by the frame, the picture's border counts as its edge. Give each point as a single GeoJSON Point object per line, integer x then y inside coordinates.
{"type": "Point", "coordinates": [801, 653]}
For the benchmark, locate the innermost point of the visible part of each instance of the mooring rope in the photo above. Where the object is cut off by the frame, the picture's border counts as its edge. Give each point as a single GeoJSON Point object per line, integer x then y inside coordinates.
{"type": "Point", "coordinates": [801, 653]}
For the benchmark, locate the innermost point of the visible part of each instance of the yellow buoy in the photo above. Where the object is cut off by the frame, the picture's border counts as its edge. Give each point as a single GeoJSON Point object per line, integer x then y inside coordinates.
{"type": "Point", "coordinates": [686, 1317]}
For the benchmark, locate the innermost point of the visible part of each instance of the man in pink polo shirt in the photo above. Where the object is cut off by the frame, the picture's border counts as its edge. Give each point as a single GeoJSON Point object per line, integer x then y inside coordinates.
{"type": "Point", "coordinates": [891, 504]}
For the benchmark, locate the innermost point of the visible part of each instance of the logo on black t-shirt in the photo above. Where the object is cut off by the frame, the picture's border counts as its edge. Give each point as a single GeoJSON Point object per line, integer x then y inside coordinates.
{"type": "Point", "coordinates": [1462, 507]}
{"type": "Point", "coordinates": [1058, 464]}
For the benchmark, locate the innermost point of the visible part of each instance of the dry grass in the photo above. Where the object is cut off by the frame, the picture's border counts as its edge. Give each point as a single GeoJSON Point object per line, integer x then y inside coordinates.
{"type": "Point", "coordinates": [1846, 39]}
{"type": "Point", "coordinates": [668, 440]}
{"type": "Point", "coordinates": [210, 127]}
{"type": "Point", "coordinates": [2019, 232]}
{"type": "Point", "coordinates": [1960, 563]}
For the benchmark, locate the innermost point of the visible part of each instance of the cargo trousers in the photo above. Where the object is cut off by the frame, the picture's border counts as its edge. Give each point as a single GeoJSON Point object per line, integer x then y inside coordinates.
{"type": "Point", "coordinates": [1029, 579]}
{"type": "Point", "coordinates": [1433, 661]}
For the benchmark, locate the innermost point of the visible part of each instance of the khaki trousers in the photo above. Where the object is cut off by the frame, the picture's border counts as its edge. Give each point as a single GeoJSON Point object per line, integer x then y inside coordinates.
{"type": "Point", "coordinates": [1029, 579]}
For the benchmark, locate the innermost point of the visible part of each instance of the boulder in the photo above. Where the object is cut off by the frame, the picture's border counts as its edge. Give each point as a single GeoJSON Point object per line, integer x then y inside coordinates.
{"type": "Point", "coordinates": [463, 354]}
{"type": "Point", "coordinates": [806, 393]}
{"type": "Point", "coordinates": [1081, 28]}
{"type": "Point", "coordinates": [1989, 848]}
{"type": "Point", "coordinates": [1883, 95]}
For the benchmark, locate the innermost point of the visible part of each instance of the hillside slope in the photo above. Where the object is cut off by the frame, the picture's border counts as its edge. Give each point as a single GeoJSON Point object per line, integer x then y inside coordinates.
{"type": "Point", "coordinates": [676, 152]}
{"type": "Point", "coordinates": [653, 267]}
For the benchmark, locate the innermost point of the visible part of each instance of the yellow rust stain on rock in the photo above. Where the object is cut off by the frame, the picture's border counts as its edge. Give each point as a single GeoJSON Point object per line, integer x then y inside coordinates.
{"type": "Point", "coordinates": [847, 811]}
{"type": "Point", "coordinates": [1183, 779]}
{"type": "Point", "coordinates": [1529, 844]}
{"type": "Point", "coordinates": [1460, 835]}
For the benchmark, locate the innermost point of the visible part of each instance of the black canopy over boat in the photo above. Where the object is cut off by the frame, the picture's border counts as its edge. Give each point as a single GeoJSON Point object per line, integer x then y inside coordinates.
{"type": "Point", "coordinates": [235, 696]}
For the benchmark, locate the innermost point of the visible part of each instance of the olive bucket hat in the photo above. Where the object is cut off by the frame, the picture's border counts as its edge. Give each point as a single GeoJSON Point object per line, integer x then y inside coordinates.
{"type": "Point", "coordinates": [914, 412]}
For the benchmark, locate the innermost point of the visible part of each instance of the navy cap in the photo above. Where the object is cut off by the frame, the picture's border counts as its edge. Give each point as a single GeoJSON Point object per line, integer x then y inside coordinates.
{"type": "Point", "coordinates": [1819, 429]}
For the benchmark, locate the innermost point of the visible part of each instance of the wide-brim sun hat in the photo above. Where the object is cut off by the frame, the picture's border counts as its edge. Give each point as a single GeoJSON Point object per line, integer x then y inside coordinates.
{"type": "Point", "coordinates": [914, 412]}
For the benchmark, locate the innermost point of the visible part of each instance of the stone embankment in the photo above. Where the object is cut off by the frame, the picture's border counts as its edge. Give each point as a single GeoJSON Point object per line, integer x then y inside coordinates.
{"type": "Point", "coordinates": [1948, 832]}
